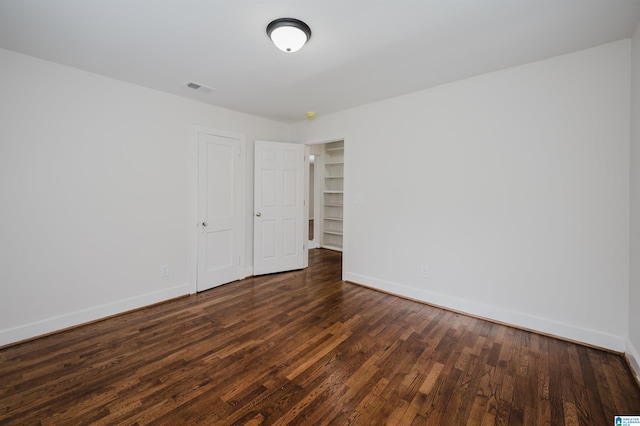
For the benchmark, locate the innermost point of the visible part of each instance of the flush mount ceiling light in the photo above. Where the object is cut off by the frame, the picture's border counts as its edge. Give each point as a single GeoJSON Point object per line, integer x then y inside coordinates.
{"type": "Point", "coordinates": [288, 34]}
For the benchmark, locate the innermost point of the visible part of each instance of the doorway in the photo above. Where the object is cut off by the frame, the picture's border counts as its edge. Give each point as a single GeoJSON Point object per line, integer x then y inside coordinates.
{"type": "Point", "coordinates": [326, 188]}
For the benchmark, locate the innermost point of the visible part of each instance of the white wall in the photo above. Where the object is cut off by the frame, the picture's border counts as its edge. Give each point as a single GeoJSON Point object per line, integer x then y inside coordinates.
{"type": "Point", "coordinates": [512, 187]}
{"type": "Point", "coordinates": [633, 347]}
{"type": "Point", "coordinates": [96, 193]}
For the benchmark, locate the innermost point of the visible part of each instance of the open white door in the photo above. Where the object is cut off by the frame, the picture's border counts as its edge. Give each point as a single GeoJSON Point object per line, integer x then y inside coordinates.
{"type": "Point", "coordinates": [279, 208]}
{"type": "Point", "coordinates": [220, 212]}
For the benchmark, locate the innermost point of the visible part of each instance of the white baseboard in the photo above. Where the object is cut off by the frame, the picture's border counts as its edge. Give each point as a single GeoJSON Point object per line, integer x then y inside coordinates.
{"type": "Point", "coordinates": [60, 322]}
{"type": "Point", "coordinates": [495, 313]}
{"type": "Point", "coordinates": [633, 356]}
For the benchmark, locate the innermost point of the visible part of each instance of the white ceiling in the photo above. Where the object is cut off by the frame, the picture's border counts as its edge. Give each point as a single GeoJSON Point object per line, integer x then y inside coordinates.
{"type": "Point", "coordinates": [360, 51]}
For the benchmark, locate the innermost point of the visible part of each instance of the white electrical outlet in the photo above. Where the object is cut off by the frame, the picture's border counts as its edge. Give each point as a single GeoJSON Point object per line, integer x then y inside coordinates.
{"type": "Point", "coordinates": [424, 271]}
{"type": "Point", "coordinates": [164, 270]}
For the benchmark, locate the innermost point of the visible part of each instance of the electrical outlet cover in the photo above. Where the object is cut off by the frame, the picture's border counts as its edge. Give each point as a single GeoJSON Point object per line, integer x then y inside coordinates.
{"type": "Point", "coordinates": [164, 271]}
{"type": "Point", "coordinates": [424, 271]}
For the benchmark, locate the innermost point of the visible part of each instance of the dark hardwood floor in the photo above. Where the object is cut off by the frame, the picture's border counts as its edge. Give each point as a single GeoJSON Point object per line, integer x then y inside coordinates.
{"type": "Point", "coordinates": [305, 348]}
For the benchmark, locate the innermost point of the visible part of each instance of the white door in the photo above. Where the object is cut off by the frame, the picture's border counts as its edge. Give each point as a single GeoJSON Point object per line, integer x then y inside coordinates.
{"type": "Point", "coordinates": [219, 211]}
{"type": "Point", "coordinates": [279, 207]}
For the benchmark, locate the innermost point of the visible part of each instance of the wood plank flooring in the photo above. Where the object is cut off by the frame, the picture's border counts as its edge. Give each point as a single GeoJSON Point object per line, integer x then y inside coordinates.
{"type": "Point", "coordinates": [305, 348]}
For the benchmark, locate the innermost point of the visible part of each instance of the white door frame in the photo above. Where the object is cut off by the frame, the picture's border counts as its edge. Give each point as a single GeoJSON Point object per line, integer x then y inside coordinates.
{"type": "Point", "coordinates": [194, 223]}
{"type": "Point", "coordinates": [305, 230]}
{"type": "Point", "coordinates": [317, 190]}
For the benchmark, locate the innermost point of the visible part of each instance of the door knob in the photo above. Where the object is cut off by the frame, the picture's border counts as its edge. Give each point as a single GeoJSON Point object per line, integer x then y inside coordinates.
{"type": "Point", "coordinates": [204, 223]}
{"type": "Point", "coordinates": [258, 214]}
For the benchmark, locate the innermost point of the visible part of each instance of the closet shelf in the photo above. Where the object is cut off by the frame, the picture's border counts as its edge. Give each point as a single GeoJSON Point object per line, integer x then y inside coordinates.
{"type": "Point", "coordinates": [333, 196]}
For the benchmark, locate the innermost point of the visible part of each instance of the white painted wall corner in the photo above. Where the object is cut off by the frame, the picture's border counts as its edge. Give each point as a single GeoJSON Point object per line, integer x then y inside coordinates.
{"type": "Point", "coordinates": [633, 356]}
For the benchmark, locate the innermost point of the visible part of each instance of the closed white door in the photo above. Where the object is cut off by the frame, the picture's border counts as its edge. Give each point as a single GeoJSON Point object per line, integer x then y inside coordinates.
{"type": "Point", "coordinates": [218, 210]}
{"type": "Point", "coordinates": [278, 207]}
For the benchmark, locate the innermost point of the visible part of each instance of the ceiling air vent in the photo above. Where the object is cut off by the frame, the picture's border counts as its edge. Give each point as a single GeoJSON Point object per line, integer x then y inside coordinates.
{"type": "Point", "coordinates": [200, 87]}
